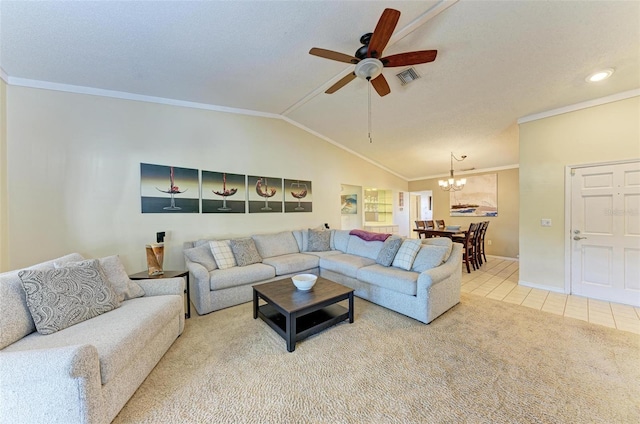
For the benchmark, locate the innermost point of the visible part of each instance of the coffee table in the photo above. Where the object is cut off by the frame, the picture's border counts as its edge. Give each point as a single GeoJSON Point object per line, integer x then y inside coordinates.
{"type": "Point", "coordinates": [296, 314]}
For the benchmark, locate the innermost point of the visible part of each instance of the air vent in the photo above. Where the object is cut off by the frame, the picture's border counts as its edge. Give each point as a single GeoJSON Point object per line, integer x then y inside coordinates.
{"type": "Point", "coordinates": [407, 76]}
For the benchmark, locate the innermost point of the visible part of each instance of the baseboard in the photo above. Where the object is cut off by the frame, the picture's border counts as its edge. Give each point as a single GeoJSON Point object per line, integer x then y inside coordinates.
{"type": "Point", "coordinates": [541, 287]}
{"type": "Point", "coordinates": [503, 258]}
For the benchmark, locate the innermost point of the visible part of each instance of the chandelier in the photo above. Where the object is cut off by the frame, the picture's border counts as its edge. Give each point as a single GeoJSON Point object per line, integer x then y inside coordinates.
{"type": "Point", "coordinates": [451, 184]}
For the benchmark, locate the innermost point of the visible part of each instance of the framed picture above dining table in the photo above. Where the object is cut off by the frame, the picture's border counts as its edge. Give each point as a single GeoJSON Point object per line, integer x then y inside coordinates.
{"type": "Point", "coordinates": [479, 197]}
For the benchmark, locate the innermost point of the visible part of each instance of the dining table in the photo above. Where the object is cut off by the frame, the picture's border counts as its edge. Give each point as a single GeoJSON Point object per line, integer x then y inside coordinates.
{"type": "Point", "coordinates": [439, 232]}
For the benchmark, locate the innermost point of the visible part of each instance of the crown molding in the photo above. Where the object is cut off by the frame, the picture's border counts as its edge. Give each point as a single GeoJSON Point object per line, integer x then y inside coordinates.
{"type": "Point", "coordinates": [4, 76]}
{"type": "Point", "coordinates": [45, 85]}
{"type": "Point", "coordinates": [472, 172]}
{"type": "Point", "coordinates": [578, 106]}
{"type": "Point", "coordinates": [22, 82]}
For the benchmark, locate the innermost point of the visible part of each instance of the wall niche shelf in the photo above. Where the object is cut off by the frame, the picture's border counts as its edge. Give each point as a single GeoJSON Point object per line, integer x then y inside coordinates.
{"type": "Point", "coordinates": [378, 207]}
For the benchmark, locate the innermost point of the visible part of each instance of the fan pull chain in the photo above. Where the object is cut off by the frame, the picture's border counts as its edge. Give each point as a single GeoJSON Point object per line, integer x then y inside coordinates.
{"type": "Point", "coordinates": [369, 98]}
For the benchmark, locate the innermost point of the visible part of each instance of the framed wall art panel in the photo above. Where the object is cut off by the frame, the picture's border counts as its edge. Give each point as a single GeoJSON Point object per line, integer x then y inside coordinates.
{"type": "Point", "coordinates": [298, 196]}
{"type": "Point", "coordinates": [223, 192]}
{"type": "Point", "coordinates": [169, 189]}
{"type": "Point", "coordinates": [265, 194]}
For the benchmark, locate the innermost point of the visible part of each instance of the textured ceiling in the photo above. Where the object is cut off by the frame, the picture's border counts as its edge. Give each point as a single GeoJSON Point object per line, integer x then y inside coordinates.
{"type": "Point", "coordinates": [497, 61]}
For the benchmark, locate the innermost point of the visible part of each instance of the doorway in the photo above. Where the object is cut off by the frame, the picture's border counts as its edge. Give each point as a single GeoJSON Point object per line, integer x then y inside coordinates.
{"type": "Point", "coordinates": [420, 208]}
{"type": "Point", "coordinates": [604, 231]}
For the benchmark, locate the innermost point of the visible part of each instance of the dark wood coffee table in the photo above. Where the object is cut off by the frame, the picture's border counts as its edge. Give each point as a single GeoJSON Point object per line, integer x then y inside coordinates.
{"type": "Point", "coordinates": [296, 314]}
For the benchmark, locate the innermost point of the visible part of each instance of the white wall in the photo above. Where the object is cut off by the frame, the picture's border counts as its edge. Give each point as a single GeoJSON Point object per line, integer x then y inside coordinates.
{"type": "Point", "coordinates": [73, 174]}
{"type": "Point", "coordinates": [4, 249]}
{"type": "Point", "coordinates": [608, 132]}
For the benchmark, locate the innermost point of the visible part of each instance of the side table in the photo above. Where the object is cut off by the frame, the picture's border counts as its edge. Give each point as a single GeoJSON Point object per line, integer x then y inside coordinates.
{"type": "Point", "coordinates": [144, 275]}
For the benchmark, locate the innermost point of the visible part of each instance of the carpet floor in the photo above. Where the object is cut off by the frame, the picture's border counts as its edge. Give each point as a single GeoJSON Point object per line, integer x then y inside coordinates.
{"type": "Point", "coordinates": [483, 361]}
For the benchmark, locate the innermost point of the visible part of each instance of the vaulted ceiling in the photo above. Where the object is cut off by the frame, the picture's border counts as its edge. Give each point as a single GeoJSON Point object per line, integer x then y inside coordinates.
{"type": "Point", "coordinates": [498, 61]}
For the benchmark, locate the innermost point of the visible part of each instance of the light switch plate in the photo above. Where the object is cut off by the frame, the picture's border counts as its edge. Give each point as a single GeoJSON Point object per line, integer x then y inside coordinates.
{"type": "Point", "coordinates": [545, 222]}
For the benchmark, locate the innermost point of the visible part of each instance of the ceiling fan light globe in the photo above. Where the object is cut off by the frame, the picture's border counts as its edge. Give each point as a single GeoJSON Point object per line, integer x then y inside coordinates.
{"type": "Point", "coordinates": [368, 69]}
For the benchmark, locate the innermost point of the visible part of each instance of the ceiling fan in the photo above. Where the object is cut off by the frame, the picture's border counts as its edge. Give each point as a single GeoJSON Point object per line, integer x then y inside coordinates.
{"type": "Point", "coordinates": [368, 58]}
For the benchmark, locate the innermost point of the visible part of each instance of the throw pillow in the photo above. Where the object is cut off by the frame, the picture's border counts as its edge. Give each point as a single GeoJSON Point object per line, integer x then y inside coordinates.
{"type": "Point", "coordinates": [245, 251]}
{"type": "Point", "coordinates": [222, 253]}
{"type": "Point", "coordinates": [406, 254]}
{"type": "Point", "coordinates": [61, 297]}
{"type": "Point", "coordinates": [202, 255]}
{"type": "Point", "coordinates": [440, 241]}
{"type": "Point", "coordinates": [116, 276]}
{"type": "Point", "coordinates": [369, 236]}
{"type": "Point", "coordinates": [319, 241]}
{"type": "Point", "coordinates": [388, 252]}
{"type": "Point", "coordinates": [429, 257]}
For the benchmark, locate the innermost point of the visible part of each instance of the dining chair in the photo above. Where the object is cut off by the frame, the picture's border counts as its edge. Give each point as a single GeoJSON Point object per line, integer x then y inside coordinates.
{"type": "Point", "coordinates": [483, 231]}
{"type": "Point", "coordinates": [440, 223]}
{"type": "Point", "coordinates": [477, 242]}
{"type": "Point", "coordinates": [420, 225]}
{"type": "Point", "coordinates": [468, 247]}
{"type": "Point", "coordinates": [430, 224]}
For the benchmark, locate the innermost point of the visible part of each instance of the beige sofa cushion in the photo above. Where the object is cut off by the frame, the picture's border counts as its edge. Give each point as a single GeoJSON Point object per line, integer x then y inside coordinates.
{"type": "Point", "coordinates": [294, 262]}
{"type": "Point", "coordinates": [277, 244]}
{"type": "Point", "coordinates": [120, 336]}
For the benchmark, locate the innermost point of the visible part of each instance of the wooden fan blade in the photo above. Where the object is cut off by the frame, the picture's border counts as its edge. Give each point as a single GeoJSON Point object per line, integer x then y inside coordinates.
{"type": "Point", "coordinates": [409, 58]}
{"type": "Point", "coordinates": [381, 85]}
{"type": "Point", "coordinates": [383, 32]}
{"type": "Point", "coordinates": [344, 81]}
{"type": "Point", "coordinates": [330, 54]}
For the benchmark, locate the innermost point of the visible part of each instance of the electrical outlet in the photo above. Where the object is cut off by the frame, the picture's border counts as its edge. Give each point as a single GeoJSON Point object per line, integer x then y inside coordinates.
{"type": "Point", "coordinates": [160, 237]}
{"type": "Point", "coordinates": [489, 242]}
{"type": "Point", "coordinates": [545, 222]}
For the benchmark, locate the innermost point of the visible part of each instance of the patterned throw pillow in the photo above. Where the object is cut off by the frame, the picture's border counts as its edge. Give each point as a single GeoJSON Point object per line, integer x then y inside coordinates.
{"type": "Point", "coordinates": [407, 253]}
{"type": "Point", "coordinates": [61, 297]}
{"type": "Point", "coordinates": [116, 275]}
{"type": "Point", "coordinates": [388, 252]}
{"type": "Point", "coordinates": [245, 251]}
{"type": "Point", "coordinates": [202, 255]}
{"type": "Point", "coordinates": [319, 241]}
{"type": "Point", "coordinates": [429, 257]}
{"type": "Point", "coordinates": [222, 253]}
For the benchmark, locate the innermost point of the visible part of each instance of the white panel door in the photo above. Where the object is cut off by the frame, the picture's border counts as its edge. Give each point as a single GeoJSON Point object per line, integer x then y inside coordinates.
{"type": "Point", "coordinates": [605, 232]}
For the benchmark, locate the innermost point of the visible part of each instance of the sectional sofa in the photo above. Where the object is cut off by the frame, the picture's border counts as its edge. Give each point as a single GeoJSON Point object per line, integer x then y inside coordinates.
{"type": "Point", "coordinates": [417, 278]}
{"type": "Point", "coordinates": [85, 372]}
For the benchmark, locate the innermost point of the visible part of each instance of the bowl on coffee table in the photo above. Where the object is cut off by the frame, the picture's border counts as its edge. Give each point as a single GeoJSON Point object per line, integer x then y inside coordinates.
{"type": "Point", "coordinates": [304, 282]}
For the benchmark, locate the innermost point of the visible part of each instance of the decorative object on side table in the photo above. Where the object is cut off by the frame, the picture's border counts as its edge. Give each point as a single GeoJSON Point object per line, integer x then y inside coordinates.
{"type": "Point", "coordinates": [142, 275]}
{"type": "Point", "coordinates": [155, 257]}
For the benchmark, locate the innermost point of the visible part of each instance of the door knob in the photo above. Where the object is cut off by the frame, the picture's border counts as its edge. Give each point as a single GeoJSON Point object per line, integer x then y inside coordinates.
{"type": "Point", "coordinates": [576, 238]}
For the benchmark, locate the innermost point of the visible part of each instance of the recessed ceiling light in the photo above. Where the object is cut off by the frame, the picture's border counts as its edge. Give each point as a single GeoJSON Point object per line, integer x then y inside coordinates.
{"type": "Point", "coordinates": [600, 75]}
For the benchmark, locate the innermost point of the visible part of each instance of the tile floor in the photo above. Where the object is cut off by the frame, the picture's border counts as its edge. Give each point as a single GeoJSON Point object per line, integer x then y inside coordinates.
{"type": "Point", "coordinates": [498, 279]}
